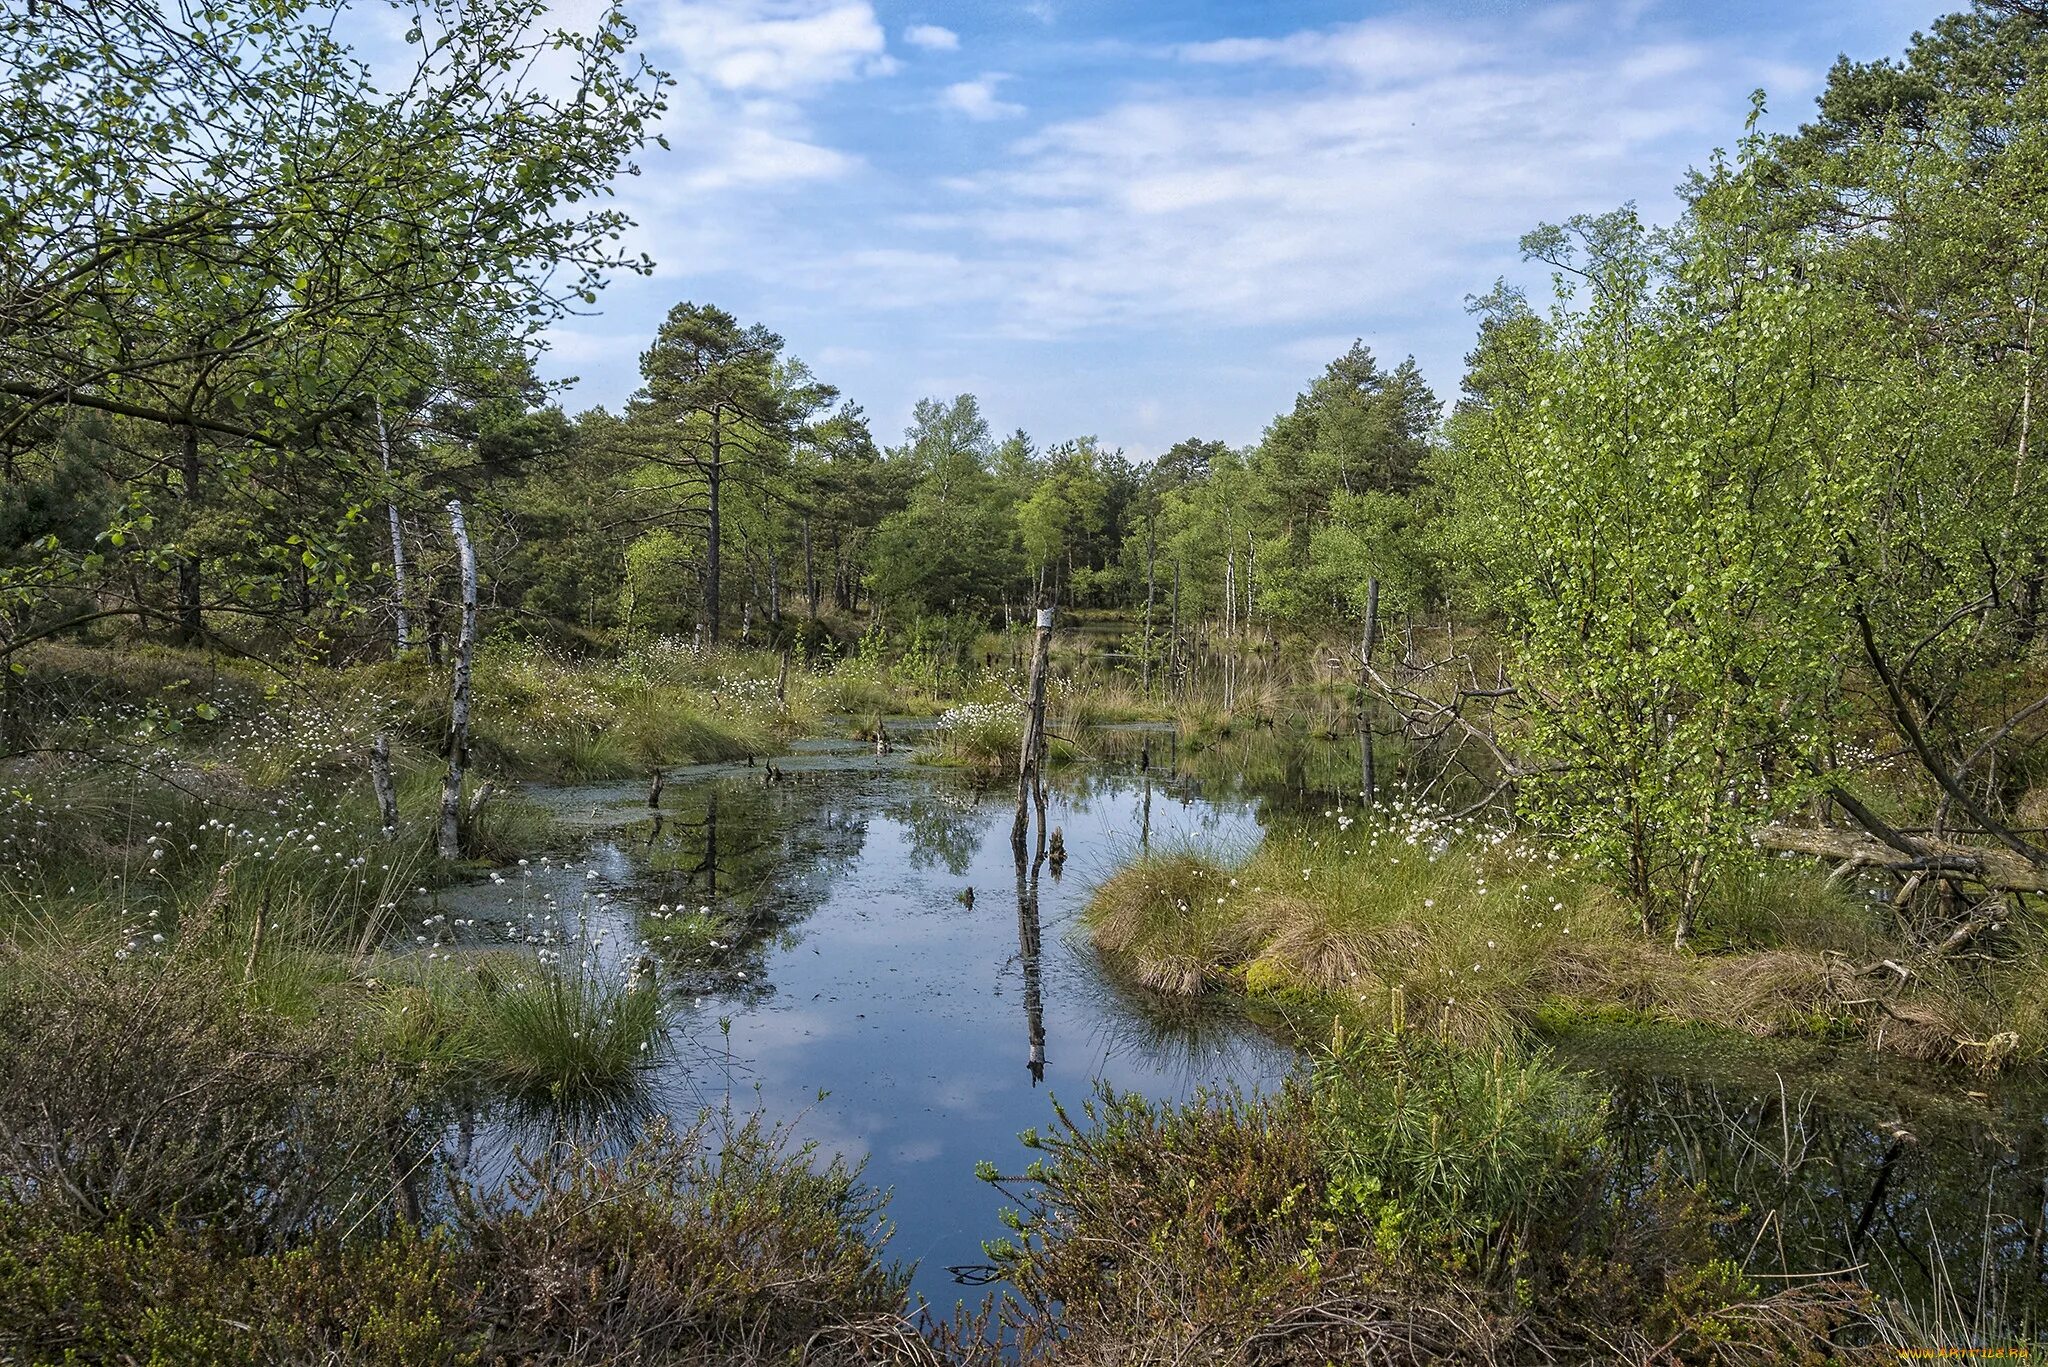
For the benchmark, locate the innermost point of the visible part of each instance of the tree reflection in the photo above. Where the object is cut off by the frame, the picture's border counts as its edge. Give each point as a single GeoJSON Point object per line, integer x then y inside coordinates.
{"type": "Point", "coordinates": [945, 824]}
{"type": "Point", "coordinates": [1948, 1204]}
{"type": "Point", "coordinates": [1028, 951]}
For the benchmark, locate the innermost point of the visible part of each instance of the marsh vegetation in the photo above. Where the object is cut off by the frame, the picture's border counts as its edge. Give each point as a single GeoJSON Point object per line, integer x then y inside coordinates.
{"type": "Point", "coordinates": [1553, 880]}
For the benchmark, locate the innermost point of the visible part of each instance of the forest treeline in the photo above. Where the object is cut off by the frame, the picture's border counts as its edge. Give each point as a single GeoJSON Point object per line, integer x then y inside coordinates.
{"type": "Point", "coordinates": [1746, 516]}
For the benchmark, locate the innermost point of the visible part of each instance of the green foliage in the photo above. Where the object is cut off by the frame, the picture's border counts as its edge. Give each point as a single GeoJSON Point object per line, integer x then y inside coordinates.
{"type": "Point", "coordinates": [237, 237]}
{"type": "Point", "coordinates": [1407, 1197]}
{"type": "Point", "coordinates": [138, 1294]}
{"type": "Point", "coordinates": [1429, 1139]}
{"type": "Point", "coordinates": [566, 1038]}
{"type": "Point", "coordinates": [1655, 529]}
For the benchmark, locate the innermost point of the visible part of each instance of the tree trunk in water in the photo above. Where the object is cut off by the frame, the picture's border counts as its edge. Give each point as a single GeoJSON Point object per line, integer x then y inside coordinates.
{"type": "Point", "coordinates": [1028, 945]}
{"type": "Point", "coordinates": [191, 624]}
{"type": "Point", "coordinates": [716, 473]}
{"type": "Point", "coordinates": [380, 779]}
{"type": "Point", "coordinates": [1031, 753]}
{"type": "Point", "coordinates": [404, 626]}
{"type": "Point", "coordinates": [1372, 631]}
{"type": "Point", "coordinates": [458, 717]}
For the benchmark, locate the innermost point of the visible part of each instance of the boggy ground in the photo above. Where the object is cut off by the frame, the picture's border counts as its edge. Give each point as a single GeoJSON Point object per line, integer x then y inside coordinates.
{"type": "Point", "coordinates": [220, 1101]}
{"type": "Point", "coordinates": [1489, 935]}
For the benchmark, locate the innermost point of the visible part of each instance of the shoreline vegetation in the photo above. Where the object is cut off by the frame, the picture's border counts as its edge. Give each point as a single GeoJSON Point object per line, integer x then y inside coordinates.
{"type": "Point", "coordinates": [1495, 937]}
{"type": "Point", "coordinates": [1682, 680]}
{"type": "Point", "coordinates": [1407, 1187]}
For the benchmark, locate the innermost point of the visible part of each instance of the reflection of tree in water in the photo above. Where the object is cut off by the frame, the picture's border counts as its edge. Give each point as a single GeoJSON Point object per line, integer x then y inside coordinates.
{"type": "Point", "coordinates": [1193, 1040]}
{"type": "Point", "coordinates": [1956, 1205]}
{"type": "Point", "coordinates": [759, 856]}
{"type": "Point", "coordinates": [1029, 957]}
{"type": "Point", "coordinates": [1286, 768]}
{"type": "Point", "coordinates": [945, 824]}
{"type": "Point", "coordinates": [1289, 766]}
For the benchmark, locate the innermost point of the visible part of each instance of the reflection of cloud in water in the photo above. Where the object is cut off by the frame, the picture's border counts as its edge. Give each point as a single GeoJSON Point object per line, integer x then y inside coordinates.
{"type": "Point", "coordinates": [873, 981]}
{"type": "Point", "coordinates": [1196, 1041]}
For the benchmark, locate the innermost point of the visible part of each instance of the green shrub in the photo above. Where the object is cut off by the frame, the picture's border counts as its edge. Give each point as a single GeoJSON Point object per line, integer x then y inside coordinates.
{"type": "Point", "coordinates": [1474, 1147]}
{"type": "Point", "coordinates": [145, 1091]}
{"type": "Point", "coordinates": [127, 1294]}
{"type": "Point", "coordinates": [1408, 1203]}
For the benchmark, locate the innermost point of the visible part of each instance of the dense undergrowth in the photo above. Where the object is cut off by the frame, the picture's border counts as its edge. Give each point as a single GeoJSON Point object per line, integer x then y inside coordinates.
{"type": "Point", "coordinates": [1409, 1201]}
{"type": "Point", "coordinates": [225, 1102]}
{"type": "Point", "coordinates": [186, 1176]}
{"type": "Point", "coordinates": [1492, 936]}
{"type": "Point", "coordinates": [191, 1174]}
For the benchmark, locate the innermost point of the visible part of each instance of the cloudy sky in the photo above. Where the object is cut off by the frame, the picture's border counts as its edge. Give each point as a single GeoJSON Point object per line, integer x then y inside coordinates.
{"type": "Point", "coordinates": [1152, 219]}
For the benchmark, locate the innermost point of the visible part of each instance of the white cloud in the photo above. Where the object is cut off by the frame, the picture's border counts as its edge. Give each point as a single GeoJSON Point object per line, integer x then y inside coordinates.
{"type": "Point", "coordinates": [738, 124]}
{"type": "Point", "coordinates": [1391, 171]}
{"type": "Point", "coordinates": [760, 156]}
{"type": "Point", "coordinates": [977, 99]}
{"type": "Point", "coordinates": [932, 38]}
{"type": "Point", "coordinates": [775, 45]}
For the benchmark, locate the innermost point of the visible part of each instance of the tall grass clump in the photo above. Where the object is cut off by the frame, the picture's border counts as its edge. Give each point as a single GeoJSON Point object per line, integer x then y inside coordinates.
{"type": "Point", "coordinates": [568, 1039]}
{"type": "Point", "coordinates": [1173, 922]}
{"type": "Point", "coordinates": [543, 714]}
{"type": "Point", "coordinates": [981, 735]}
{"type": "Point", "coordinates": [1475, 929]}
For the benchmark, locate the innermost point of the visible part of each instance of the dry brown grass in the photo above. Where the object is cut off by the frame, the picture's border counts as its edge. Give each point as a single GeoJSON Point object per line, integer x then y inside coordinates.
{"type": "Point", "coordinates": [1482, 936]}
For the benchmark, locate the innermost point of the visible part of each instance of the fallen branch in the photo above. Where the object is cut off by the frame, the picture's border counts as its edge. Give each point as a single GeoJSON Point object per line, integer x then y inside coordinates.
{"type": "Point", "coordinates": [1997, 869]}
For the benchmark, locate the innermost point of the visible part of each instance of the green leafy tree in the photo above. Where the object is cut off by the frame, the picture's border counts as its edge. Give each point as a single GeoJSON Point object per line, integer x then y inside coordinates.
{"type": "Point", "coordinates": [1654, 529]}
{"type": "Point", "coordinates": [951, 550]}
{"type": "Point", "coordinates": [720, 409]}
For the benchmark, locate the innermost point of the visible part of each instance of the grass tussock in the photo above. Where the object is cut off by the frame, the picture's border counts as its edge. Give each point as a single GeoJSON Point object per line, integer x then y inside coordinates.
{"type": "Point", "coordinates": [563, 1039]}
{"type": "Point", "coordinates": [1171, 922]}
{"type": "Point", "coordinates": [1484, 936]}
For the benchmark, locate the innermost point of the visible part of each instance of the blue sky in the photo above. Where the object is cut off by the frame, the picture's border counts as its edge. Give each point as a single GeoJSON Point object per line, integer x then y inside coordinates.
{"type": "Point", "coordinates": [1152, 219]}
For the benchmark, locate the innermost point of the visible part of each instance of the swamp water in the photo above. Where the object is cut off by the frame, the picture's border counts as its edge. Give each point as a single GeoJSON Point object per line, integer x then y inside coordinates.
{"type": "Point", "coordinates": [869, 997]}
{"type": "Point", "coordinates": [848, 981]}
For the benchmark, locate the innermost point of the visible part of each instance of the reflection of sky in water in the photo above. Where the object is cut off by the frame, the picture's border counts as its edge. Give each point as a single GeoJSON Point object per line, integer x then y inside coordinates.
{"type": "Point", "coordinates": [901, 1004]}
{"type": "Point", "coordinates": [871, 981]}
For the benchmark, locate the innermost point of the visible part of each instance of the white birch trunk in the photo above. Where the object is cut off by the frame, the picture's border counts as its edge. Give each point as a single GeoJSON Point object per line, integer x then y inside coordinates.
{"type": "Point", "coordinates": [397, 541]}
{"type": "Point", "coordinates": [458, 716]}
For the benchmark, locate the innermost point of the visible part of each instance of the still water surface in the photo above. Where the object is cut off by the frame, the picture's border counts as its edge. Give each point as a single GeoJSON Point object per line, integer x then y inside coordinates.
{"type": "Point", "coordinates": [868, 993]}
{"type": "Point", "coordinates": [902, 1020]}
